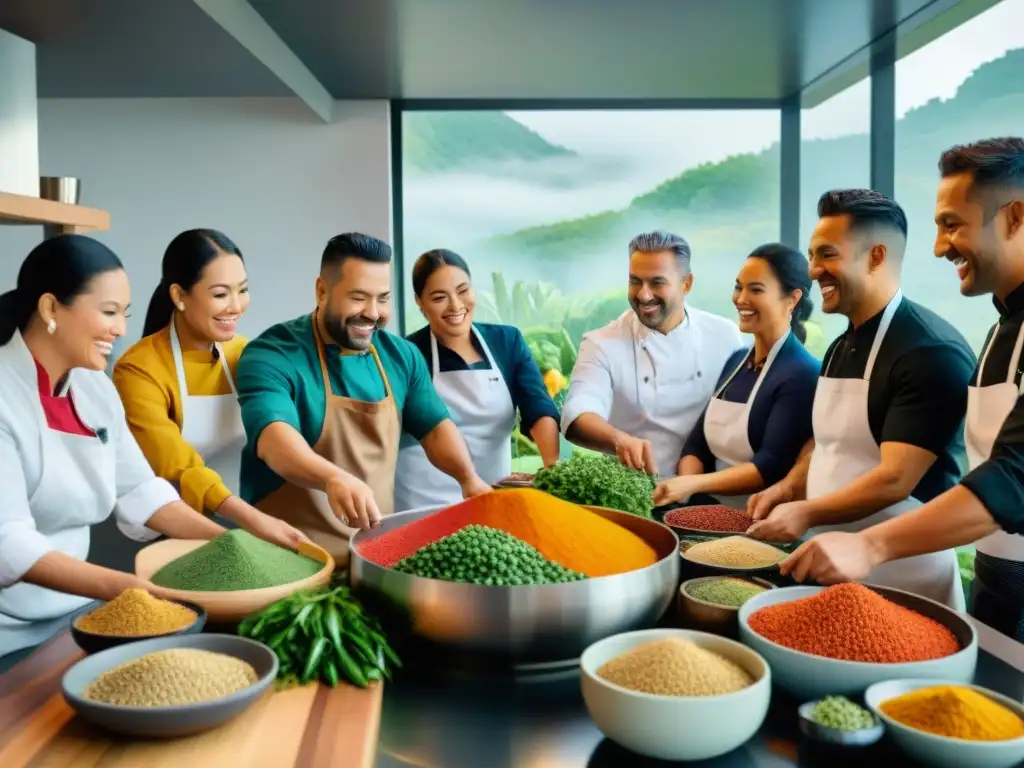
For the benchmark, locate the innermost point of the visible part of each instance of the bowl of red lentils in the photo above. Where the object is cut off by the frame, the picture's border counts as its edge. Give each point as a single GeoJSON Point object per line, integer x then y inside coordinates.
{"type": "Point", "coordinates": [842, 639]}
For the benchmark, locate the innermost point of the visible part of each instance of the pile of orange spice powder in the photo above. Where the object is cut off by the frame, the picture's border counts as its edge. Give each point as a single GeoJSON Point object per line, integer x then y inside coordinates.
{"type": "Point", "coordinates": [854, 623]}
{"type": "Point", "coordinates": [564, 533]}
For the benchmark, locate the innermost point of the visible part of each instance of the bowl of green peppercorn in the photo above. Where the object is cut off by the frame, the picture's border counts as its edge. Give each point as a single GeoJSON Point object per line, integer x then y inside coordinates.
{"type": "Point", "coordinates": [837, 720]}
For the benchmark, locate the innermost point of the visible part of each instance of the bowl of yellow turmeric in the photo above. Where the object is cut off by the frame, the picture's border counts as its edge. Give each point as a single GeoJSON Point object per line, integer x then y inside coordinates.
{"type": "Point", "coordinates": [950, 724]}
{"type": "Point", "coordinates": [133, 615]}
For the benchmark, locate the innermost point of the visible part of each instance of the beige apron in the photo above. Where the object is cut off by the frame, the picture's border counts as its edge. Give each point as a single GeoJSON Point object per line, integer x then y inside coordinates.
{"type": "Point", "coordinates": [359, 437]}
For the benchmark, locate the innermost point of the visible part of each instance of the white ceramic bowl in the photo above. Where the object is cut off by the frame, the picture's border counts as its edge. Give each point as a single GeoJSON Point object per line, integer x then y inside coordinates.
{"type": "Point", "coordinates": [813, 677]}
{"type": "Point", "coordinates": [941, 751]}
{"type": "Point", "coordinates": [675, 727]}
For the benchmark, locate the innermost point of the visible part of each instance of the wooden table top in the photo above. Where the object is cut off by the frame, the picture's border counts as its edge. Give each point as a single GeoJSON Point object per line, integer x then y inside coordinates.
{"type": "Point", "coordinates": [313, 727]}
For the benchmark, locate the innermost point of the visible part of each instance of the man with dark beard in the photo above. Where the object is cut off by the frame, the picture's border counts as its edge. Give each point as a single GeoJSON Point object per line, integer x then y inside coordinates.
{"type": "Point", "coordinates": [641, 382]}
{"type": "Point", "coordinates": [325, 398]}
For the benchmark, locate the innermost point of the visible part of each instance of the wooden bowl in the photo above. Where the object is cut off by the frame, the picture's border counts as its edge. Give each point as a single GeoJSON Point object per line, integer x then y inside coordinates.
{"type": "Point", "coordinates": [229, 606]}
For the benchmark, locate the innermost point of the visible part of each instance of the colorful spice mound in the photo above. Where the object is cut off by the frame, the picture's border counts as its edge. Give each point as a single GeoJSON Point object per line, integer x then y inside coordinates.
{"type": "Point", "coordinates": [842, 714]}
{"type": "Point", "coordinates": [171, 678]}
{"type": "Point", "coordinates": [136, 613]}
{"type": "Point", "coordinates": [479, 555]}
{"type": "Point", "coordinates": [675, 667]}
{"type": "Point", "coordinates": [564, 533]}
{"type": "Point", "coordinates": [710, 518]}
{"type": "Point", "coordinates": [599, 481]}
{"type": "Point", "coordinates": [731, 593]}
{"type": "Point", "coordinates": [735, 552]}
{"type": "Point", "coordinates": [323, 634]}
{"type": "Point", "coordinates": [955, 711]}
{"type": "Point", "coordinates": [854, 623]}
{"type": "Point", "coordinates": [235, 560]}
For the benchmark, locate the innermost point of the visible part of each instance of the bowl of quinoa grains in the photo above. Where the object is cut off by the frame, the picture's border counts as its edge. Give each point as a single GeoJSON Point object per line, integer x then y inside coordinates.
{"type": "Point", "coordinates": [841, 639]}
{"type": "Point", "coordinates": [712, 603]}
{"type": "Point", "coordinates": [134, 615]}
{"type": "Point", "coordinates": [170, 686]}
{"type": "Point", "coordinates": [675, 694]}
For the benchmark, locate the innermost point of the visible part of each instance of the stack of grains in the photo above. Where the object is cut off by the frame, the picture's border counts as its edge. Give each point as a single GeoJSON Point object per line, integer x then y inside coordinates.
{"type": "Point", "coordinates": [136, 613]}
{"type": "Point", "coordinates": [710, 518]}
{"type": "Point", "coordinates": [842, 714]}
{"type": "Point", "coordinates": [675, 667]}
{"type": "Point", "coordinates": [171, 678]}
{"type": "Point", "coordinates": [235, 560]}
{"type": "Point", "coordinates": [729, 592]}
{"type": "Point", "coordinates": [564, 533]}
{"type": "Point", "coordinates": [854, 623]}
{"type": "Point", "coordinates": [735, 552]}
{"type": "Point", "coordinates": [956, 712]}
{"type": "Point", "coordinates": [479, 555]}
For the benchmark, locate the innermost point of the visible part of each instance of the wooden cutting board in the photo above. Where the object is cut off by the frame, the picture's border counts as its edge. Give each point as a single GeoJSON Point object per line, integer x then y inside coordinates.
{"type": "Point", "coordinates": [312, 727]}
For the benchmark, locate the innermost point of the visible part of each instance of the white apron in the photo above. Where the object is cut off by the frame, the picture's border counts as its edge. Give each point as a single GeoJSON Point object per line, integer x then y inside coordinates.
{"type": "Point", "coordinates": [726, 425]}
{"type": "Point", "coordinates": [212, 424]}
{"type": "Point", "coordinates": [845, 449]}
{"type": "Point", "coordinates": [480, 405]}
{"type": "Point", "coordinates": [76, 490]}
{"type": "Point", "coordinates": [987, 409]}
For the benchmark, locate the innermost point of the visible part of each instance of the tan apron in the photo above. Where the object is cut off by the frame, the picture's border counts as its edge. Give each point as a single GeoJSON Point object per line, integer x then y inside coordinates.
{"type": "Point", "coordinates": [361, 438]}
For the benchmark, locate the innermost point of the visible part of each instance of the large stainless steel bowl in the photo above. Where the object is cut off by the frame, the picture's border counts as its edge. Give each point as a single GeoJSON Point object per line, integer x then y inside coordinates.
{"type": "Point", "coordinates": [520, 626]}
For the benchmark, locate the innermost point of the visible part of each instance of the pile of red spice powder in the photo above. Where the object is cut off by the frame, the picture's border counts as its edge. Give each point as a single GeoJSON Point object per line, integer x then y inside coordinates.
{"type": "Point", "coordinates": [854, 623]}
{"type": "Point", "coordinates": [386, 550]}
{"type": "Point", "coordinates": [710, 518]}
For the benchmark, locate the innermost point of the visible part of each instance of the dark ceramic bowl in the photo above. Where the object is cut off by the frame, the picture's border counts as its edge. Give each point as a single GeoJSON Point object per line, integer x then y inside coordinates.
{"type": "Point", "coordinates": [90, 642]}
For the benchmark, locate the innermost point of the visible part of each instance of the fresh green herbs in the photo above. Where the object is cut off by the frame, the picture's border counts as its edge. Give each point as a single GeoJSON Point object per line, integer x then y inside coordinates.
{"type": "Point", "coordinates": [323, 634]}
{"type": "Point", "coordinates": [599, 481]}
{"type": "Point", "coordinates": [481, 555]}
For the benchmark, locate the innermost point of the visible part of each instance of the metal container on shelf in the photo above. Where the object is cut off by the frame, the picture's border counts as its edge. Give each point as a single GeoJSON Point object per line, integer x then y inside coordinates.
{"type": "Point", "coordinates": [525, 627]}
{"type": "Point", "coordinates": [62, 189]}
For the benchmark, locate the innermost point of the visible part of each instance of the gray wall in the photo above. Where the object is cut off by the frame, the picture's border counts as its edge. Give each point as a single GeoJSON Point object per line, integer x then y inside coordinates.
{"type": "Point", "coordinates": [265, 171]}
{"type": "Point", "coordinates": [19, 145]}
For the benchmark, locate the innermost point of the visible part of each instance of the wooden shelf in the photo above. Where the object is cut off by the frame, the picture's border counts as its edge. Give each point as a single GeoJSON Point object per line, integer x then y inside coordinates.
{"type": "Point", "coordinates": [21, 209]}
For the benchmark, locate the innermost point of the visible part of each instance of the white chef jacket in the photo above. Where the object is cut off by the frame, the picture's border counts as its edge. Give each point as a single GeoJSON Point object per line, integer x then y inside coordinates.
{"type": "Point", "coordinates": [27, 534]}
{"type": "Point", "coordinates": [651, 385]}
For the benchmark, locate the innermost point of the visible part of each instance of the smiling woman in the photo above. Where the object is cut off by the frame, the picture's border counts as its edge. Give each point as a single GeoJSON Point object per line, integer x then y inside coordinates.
{"type": "Point", "coordinates": [177, 382]}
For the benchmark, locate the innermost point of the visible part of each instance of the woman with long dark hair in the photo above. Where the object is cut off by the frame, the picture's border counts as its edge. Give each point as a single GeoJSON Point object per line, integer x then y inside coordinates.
{"type": "Point", "coordinates": [759, 418]}
{"type": "Point", "coordinates": [67, 459]}
{"type": "Point", "coordinates": [485, 375]}
{"type": "Point", "coordinates": [178, 382]}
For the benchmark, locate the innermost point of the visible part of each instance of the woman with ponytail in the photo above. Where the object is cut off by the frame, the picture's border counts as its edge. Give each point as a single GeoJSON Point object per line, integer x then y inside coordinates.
{"type": "Point", "coordinates": [178, 382]}
{"type": "Point", "coordinates": [67, 459]}
{"type": "Point", "coordinates": [759, 418]}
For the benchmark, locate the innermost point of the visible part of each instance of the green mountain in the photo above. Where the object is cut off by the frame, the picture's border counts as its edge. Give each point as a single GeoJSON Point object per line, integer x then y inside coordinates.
{"type": "Point", "coordinates": [455, 140]}
{"type": "Point", "coordinates": [726, 209]}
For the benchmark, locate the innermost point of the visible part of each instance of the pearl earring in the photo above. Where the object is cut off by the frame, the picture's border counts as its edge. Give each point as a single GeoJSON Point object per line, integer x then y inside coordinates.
{"type": "Point", "coordinates": [181, 307]}
{"type": "Point", "coordinates": [51, 327]}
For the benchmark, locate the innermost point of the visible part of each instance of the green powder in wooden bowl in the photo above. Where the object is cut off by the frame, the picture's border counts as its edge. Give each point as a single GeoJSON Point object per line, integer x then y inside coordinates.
{"type": "Point", "coordinates": [235, 560]}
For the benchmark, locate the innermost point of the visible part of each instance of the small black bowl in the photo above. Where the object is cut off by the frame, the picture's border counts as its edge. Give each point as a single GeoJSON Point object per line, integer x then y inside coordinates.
{"type": "Point", "coordinates": [93, 643]}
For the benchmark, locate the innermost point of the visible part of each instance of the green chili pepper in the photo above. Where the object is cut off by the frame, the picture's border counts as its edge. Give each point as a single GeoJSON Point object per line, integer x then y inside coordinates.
{"type": "Point", "coordinates": [314, 659]}
{"type": "Point", "coordinates": [351, 669]}
{"type": "Point", "coordinates": [332, 620]}
{"type": "Point", "coordinates": [331, 673]}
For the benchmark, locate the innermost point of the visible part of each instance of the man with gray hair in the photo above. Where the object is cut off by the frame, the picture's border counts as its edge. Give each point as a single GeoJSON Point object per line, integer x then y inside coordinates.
{"type": "Point", "coordinates": [641, 383]}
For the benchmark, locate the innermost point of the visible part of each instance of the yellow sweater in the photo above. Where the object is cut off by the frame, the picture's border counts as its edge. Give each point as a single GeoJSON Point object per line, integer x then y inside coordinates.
{"type": "Point", "coordinates": [148, 384]}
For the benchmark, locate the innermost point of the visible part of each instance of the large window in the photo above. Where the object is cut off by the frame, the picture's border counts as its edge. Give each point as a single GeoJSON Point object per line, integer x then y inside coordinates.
{"type": "Point", "coordinates": [964, 86]}
{"type": "Point", "coordinates": [543, 204]}
{"type": "Point", "coordinates": [835, 153]}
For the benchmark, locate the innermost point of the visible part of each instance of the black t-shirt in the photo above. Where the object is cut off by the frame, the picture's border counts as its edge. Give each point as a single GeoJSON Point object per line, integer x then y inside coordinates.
{"type": "Point", "coordinates": [999, 482]}
{"type": "Point", "coordinates": [918, 389]}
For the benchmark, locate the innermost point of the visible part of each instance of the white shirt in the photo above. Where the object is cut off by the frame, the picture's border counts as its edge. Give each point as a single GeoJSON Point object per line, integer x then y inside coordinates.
{"type": "Point", "coordinates": [27, 533]}
{"type": "Point", "coordinates": [651, 385]}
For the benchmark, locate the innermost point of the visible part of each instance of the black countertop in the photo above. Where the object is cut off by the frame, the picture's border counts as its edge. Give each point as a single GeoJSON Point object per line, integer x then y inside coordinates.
{"type": "Point", "coordinates": [438, 719]}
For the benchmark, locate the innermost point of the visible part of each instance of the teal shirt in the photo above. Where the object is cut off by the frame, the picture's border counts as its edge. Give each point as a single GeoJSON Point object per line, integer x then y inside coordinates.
{"type": "Point", "coordinates": [279, 379]}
